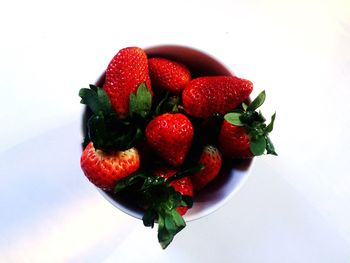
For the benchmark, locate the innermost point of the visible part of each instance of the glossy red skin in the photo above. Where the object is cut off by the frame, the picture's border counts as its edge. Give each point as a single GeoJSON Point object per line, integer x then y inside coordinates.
{"type": "Point", "coordinates": [204, 96]}
{"type": "Point", "coordinates": [212, 160]}
{"type": "Point", "coordinates": [104, 170]}
{"type": "Point", "coordinates": [126, 71]}
{"type": "Point", "coordinates": [170, 135]}
{"type": "Point", "coordinates": [168, 75]}
{"type": "Point", "coordinates": [234, 142]}
{"type": "Point", "coordinates": [183, 186]}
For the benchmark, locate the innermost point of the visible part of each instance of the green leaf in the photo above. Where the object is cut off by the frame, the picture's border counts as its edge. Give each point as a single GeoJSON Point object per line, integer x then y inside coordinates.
{"type": "Point", "coordinates": [152, 181]}
{"type": "Point", "coordinates": [188, 201]}
{"type": "Point", "coordinates": [244, 106]}
{"type": "Point", "coordinates": [95, 126]}
{"type": "Point", "coordinates": [90, 98]}
{"type": "Point", "coordinates": [96, 99]}
{"type": "Point", "coordinates": [167, 104]}
{"type": "Point", "coordinates": [234, 118]}
{"type": "Point", "coordinates": [270, 149]}
{"type": "Point", "coordinates": [169, 224]}
{"type": "Point", "coordinates": [161, 200]}
{"type": "Point", "coordinates": [173, 104]}
{"type": "Point", "coordinates": [258, 146]}
{"type": "Point", "coordinates": [178, 219]}
{"type": "Point", "coordinates": [160, 105]}
{"type": "Point", "coordinates": [175, 108]}
{"type": "Point", "coordinates": [110, 134]}
{"type": "Point", "coordinates": [269, 127]}
{"type": "Point", "coordinates": [137, 177]}
{"type": "Point", "coordinates": [257, 102]}
{"type": "Point", "coordinates": [186, 172]}
{"type": "Point", "coordinates": [105, 103]}
{"type": "Point", "coordinates": [164, 237]}
{"type": "Point", "coordinates": [149, 218]}
{"type": "Point", "coordinates": [93, 87]}
{"type": "Point", "coordinates": [141, 102]}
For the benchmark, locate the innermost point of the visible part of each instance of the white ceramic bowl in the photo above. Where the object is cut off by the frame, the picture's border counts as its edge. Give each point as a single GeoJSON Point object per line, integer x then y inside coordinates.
{"type": "Point", "coordinates": [231, 179]}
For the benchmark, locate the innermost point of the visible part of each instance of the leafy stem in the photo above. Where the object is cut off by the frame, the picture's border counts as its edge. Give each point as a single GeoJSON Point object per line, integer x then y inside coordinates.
{"type": "Point", "coordinates": [105, 129]}
{"type": "Point", "coordinates": [254, 124]}
{"type": "Point", "coordinates": [159, 200]}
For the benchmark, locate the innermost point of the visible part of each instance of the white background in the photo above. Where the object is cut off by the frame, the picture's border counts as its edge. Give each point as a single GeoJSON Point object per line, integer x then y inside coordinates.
{"type": "Point", "coordinates": [294, 208]}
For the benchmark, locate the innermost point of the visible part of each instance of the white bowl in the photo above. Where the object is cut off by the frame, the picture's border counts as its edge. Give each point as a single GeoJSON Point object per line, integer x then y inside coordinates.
{"type": "Point", "coordinates": [210, 199]}
{"type": "Point", "coordinates": [231, 178]}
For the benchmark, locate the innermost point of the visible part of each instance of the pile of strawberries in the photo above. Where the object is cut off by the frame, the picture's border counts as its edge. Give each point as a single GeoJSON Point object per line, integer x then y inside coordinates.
{"type": "Point", "coordinates": [156, 137]}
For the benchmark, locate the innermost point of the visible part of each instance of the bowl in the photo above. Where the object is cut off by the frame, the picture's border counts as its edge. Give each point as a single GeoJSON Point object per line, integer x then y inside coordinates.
{"type": "Point", "coordinates": [232, 176]}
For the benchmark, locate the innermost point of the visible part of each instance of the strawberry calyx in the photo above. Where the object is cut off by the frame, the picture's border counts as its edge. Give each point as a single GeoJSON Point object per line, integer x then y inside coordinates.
{"type": "Point", "coordinates": [159, 200]}
{"type": "Point", "coordinates": [105, 129]}
{"type": "Point", "coordinates": [167, 104]}
{"type": "Point", "coordinates": [254, 125]}
{"type": "Point", "coordinates": [140, 103]}
{"type": "Point", "coordinates": [186, 172]}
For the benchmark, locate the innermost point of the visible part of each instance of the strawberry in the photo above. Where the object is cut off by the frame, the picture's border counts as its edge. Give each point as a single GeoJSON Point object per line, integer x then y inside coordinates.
{"type": "Point", "coordinates": [234, 141]}
{"type": "Point", "coordinates": [105, 169]}
{"type": "Point", "coordinates": [170, 135]}
{"type": "Point", "coordinates": [168, 75]}
{"type": "Point", "coordinates": [211, 159]}
{"type": "Point", "coordinates": [165, 194]}
{"type": "Point", "coordinates": [205, 96]}
{"type": "Point", "coordinates": [127, 70]}
{"type": "Point", "coordinates": [183, 185]}
{"type": "Point", "coordinates": [244, 134]}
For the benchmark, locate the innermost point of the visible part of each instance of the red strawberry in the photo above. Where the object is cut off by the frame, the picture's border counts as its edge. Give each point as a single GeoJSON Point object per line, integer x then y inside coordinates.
{"type": "Point", "coordinates": [170, 135]}
{"type": "Point", "coordinates": [183, 185]}
{"type": "Point", "coordinates": [127, 70]}
{"type": "Point", "coordinates": [234, 142]}
{"type": "Point", "coordinates": [168, 75]}
{"type": "Point", "coordinates": [244, 134]}
{"type": "Point", "coordinates": [212, 160]}
{"type": "Point", "coordinates": [105, 169]}
{"type": "Point", "coordinates": [205, 96]}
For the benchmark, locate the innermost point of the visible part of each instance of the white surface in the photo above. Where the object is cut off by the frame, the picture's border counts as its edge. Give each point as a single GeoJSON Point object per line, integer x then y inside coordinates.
{"type": "Point", "coordinates": [294, 208]}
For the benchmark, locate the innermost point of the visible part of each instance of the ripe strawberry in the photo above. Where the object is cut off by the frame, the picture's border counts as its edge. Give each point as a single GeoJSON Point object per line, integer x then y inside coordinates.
{"type": "Point", "coordinates": [170, 135]}
{"type": "Point", "coordinates": [168, 75]}
{"type": "Point", "coordinates": [127, 70]}
{"type": "Point", "coordinates": [183, 185]}
{"type": "Point", "coordinates": [234, 142]}
{"type": "Point", "coordinates": [244, 134]}
{"type": "Point", "coordinates": [211, 159]}
{"type": "Point", "coordinates": [205, 96]}
{"type": "Point", "coordinates": [105, 169]}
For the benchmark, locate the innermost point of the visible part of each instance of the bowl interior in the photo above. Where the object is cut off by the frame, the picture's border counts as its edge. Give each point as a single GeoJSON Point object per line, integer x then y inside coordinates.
{"type": "Point", "coordinates": [231, 177]}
